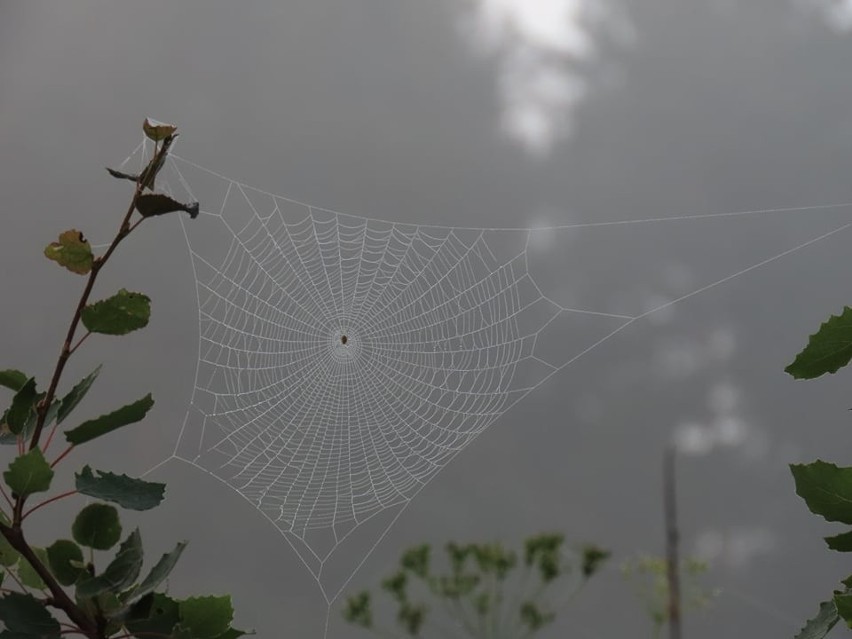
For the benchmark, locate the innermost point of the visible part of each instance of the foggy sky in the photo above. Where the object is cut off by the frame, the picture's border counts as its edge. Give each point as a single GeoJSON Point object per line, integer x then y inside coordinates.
{"type": "Point", "coordinates": [458, 113]}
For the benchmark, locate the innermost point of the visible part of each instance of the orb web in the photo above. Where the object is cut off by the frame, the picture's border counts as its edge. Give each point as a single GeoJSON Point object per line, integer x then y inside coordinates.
{"type": "Point", "coordinates": [345, 360]}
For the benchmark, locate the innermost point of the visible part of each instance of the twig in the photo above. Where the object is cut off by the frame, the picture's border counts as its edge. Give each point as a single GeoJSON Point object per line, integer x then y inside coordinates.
{"type": "Point", "coordinates": [62, 455]}
{"type": "Point", "coordinates": [48, 501]}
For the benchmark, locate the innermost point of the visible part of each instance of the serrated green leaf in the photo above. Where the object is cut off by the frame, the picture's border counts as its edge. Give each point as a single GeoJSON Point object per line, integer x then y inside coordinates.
{"type": "Point", "coordinates": [159, 572]}
{"type": "Point", "coordinates": [72, 251]}
{"type": "Point", "coordinates": [97, 526]}
{"type": "Point", "coordinates": [23, 404]}
{"type": "Point", "coordinates": [13, 379]}
{"type": "Point", "coordinates": [153, 204]}
{"type": "Point", "coordinates": [27, 574]}
{"type": "Point", "coordinates": [828, 350]}
{"type": "Point", "coordinates": [121, 571]}
{"type": "Point", "coordinates": [24, 615]}
{"type": "Point", "coordinates": [843, 602]}
{"type": "Point", "coordinates": [840, 543]}
{"type": "Point", "coordinates": [60, 555]}
{"type": "Point", "coordinates": [157, 131]}
{"type": "Point", "coordinates": [75, 395]}
{"type": "Point", "coordinates": [206, 617]}
{"type": "Point", "coordinates": [826, 489]}
{"type": "Point", "coordinates": [134, 494]}
{"type": "Point", "coordinates": [30, 473]}
{"type": "Point", "coordinates": [155, 614]}
{"type": "Point", "coordinates": [104, 424]}
{"type": "Point", "coordinates": [120, 314]}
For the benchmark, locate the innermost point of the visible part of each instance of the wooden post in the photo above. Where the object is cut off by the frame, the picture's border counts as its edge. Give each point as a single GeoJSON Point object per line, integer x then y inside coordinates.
{"type": "Point", "coordinates": [672, 540]}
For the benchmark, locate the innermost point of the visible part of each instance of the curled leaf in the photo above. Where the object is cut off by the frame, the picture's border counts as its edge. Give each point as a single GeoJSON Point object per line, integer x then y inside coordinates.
{"type": "Point", "coordinates": [157, 131]}
{"type": "Point", "coordinates": [119, 175]}
{"type": "Point", "coordinates": [13, 379]}
{"type": "Point", "coordinates": [72, 251]}
{"type": "Point", "coordinates": [64, 558]}
{"type": "Point", "coordinates": [151, 204]}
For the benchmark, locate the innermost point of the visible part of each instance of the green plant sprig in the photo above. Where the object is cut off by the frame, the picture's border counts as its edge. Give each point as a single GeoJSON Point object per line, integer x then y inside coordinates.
{"type": "Point", "coordinates": [113, 602]}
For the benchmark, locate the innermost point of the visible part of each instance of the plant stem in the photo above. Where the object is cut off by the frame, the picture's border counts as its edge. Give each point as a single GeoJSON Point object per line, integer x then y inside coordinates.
{"type": "Point", "coordinates": [92, 628]}
{"type": "Point", "coordinates": [15, 537]}
{"type": "Point", "coordinates": [48, 501]}
{"type": "Point", "coordinates": [62, 454]}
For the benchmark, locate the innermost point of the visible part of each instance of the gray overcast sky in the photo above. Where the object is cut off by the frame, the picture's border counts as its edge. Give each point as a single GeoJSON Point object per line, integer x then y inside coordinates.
{"type": "Point", "coordinates": [481, 113]}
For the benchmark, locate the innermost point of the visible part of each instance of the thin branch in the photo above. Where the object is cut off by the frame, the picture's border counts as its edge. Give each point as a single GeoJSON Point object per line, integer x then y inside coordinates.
{"type": "Point", "coordinates": [15, 537]}
{"type": "Point", "coordinates": [46, 502]}
{"type": "Point", "coordinates": [672, 539]}
{"type": "Point", "coordinates": [6, 497]}
{"type": "Point", "coordinates": [145, 180]}
{"type": "Point", "coordinates": [16, 580]}
{"type": "Point", "coordinates": [62, 455]}
{"type": "Point", "coordinates": [83, 339]}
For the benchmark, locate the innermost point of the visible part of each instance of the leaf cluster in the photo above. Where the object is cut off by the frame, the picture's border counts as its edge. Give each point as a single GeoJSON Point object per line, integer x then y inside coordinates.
{"type": "Point", "coordinates": [113, 598]}
{"type": "Point", "coordinates": [481, 589]}
{"type": "Point", "coordinates": [825, 487]}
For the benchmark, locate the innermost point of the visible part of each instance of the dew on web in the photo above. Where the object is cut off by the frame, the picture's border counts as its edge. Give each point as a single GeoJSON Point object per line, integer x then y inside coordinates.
{"type": "Point", "coordinates": [345, 360]}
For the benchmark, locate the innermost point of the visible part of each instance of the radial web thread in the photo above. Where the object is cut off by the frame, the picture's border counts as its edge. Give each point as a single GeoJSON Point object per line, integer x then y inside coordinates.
{"type": "Point", "coordinates": [344, 360]}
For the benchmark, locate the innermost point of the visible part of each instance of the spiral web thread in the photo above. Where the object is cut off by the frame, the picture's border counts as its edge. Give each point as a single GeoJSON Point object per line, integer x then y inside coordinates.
{"type": "Point", "coordinates": [344, 360]}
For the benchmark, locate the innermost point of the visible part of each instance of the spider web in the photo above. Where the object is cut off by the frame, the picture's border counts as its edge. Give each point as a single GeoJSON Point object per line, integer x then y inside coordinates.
{"type": "Point", "coordinates": [345, 360]}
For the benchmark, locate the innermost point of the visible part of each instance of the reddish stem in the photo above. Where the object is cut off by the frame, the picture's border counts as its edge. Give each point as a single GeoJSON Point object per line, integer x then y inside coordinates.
{"type": "Point", "coordinates": [46, 502]}
{"type": "Point", "coordinates": [6, 496]}
{"type": "Point", "coordinates": [62, 455]}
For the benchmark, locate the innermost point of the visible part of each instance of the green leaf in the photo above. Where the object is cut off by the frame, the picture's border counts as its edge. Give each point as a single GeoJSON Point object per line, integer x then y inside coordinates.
{"type": "Point", "coordinates": [104, 424]}
{"type": "Point", "coordinates": [828, 350]}
{"type": "Point", "coordinates": [13, 379]}
{"type": "Point", "coordinates": [23, 404]}
{"type": "Point", "coordinates": [120, 175]}
{"type": "Point", "coordinates": [155, 614]}
{"type": "Point", "coordinates": [152, 204]}
{"type": "Point", "coordinates": [8, 555]}
{"type": "Point", "coordinates": [97, 526]}
{"type": "Point", "coordinates": [840, 543]}
{"type": "Point", "coordinates": [60, 555]}
{"type": "Point", "coordinates": [159, 572]}
{"type": "Point", "coordinates": [70, 401]}
{"type": "Point", "coordinates": [157, 131]}
{"type": "Point", "coordinates": [233, 633]}
{"type": "Point", "coordinates": [72, 251]}
{"type": "Point", "coordinates": [27, 574]}
{"type": "Point", "coordinates": [121, 571]}
{"type": "Point", "coordinates": [826, 488]}
{"type": "Point", "coordinates": [23, 615]}
{"type": "Point", "coordinates": [206, 617]}
{"type": "Point", "coordinates": [843, 602]}
{"type": "Point", "coordinates": [30, 473]}
{"type": "Point", "coordinates": [120, 314]}
{"type": "Point", "coordinates": [134, 494]}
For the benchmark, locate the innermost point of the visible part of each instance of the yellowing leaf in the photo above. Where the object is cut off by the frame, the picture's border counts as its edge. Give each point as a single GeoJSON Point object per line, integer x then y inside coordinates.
{"type": "Point", "coordinates": [157, 131]}
{"type": "Point", "coordinates": [72, 251]}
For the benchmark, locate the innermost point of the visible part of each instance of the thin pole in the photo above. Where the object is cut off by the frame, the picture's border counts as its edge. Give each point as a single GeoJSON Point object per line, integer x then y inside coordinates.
{"type": "Point", "coordinates": [672, 540]}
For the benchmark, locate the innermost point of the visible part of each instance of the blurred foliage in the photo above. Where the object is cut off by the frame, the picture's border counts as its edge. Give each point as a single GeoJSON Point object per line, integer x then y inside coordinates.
{"type": "Point", "coordinates": [648, 575]}
{"type": "Point", "coordinates": [480, 590]}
